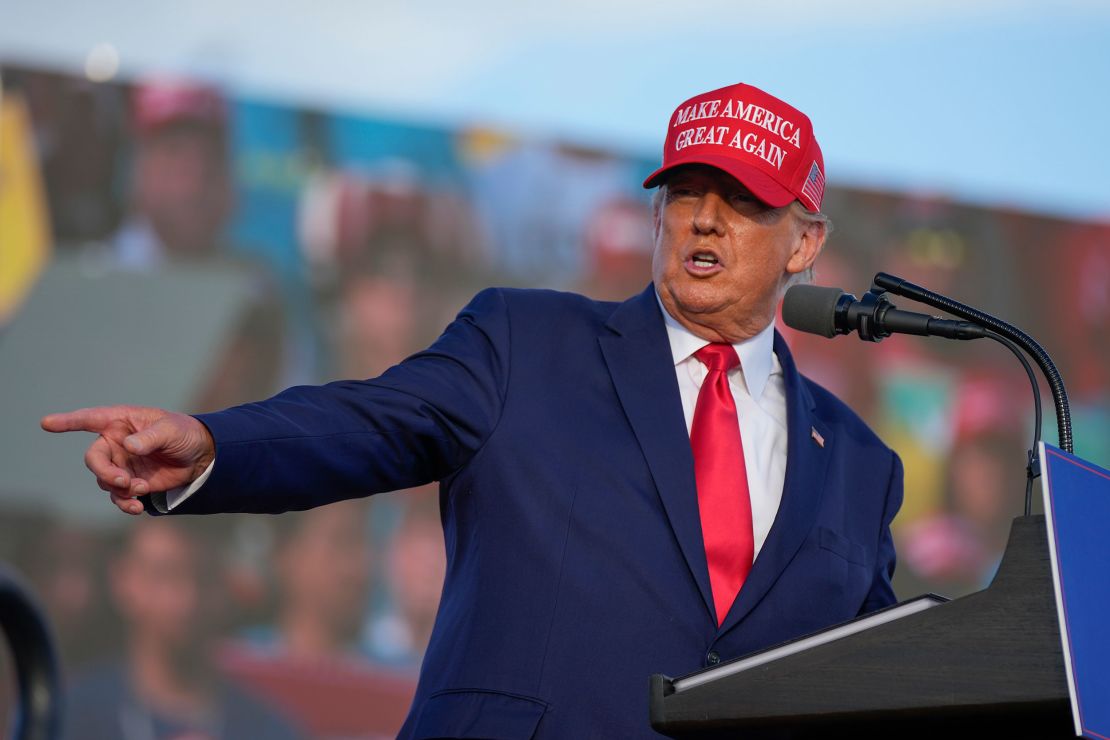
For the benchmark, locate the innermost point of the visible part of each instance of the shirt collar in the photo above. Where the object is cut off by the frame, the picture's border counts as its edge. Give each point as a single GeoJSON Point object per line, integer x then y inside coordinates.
{"type": "Point", "coordinates": [756, 353]}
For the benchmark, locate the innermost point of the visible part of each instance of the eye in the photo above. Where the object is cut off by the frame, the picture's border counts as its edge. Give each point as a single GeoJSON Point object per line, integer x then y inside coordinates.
{"type": "Point", "coordinates": [681, 191]}
{"type": "Point", "coordinates": [742, 197]}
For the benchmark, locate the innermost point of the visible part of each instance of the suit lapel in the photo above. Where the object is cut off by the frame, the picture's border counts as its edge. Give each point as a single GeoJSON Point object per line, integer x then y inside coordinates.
{"type": "Point", "coordinates": [638, 355]}
{"type": "Point", "coordinates": [806, 462]}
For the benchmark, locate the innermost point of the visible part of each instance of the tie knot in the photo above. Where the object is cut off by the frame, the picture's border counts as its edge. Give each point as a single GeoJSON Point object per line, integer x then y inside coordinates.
{"type": "Point", "coordinates": [718, 356]}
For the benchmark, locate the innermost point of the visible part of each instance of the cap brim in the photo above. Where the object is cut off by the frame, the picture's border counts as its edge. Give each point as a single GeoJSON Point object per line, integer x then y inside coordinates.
{"type": "Point", "coordinates": [760, 183]}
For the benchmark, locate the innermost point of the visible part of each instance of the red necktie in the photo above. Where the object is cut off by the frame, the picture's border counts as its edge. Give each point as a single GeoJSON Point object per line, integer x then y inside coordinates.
{"type": "Point", "coordinates": [723, 500]}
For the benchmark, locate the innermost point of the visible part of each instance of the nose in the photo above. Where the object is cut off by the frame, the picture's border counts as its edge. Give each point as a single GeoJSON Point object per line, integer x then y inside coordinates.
{"type": "Point", "coordinates": [708, 218]}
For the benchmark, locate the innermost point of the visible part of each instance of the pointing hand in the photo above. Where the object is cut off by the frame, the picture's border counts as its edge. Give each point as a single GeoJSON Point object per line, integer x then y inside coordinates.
{"type": "Point", "coordinates": [138, 449]}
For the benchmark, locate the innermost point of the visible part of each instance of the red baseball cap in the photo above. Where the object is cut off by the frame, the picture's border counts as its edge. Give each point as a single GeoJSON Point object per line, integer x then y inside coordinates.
{"type": "Point", "coordinates": [763, 142]}
{"type": "Point", "coordinates": [163, 101]}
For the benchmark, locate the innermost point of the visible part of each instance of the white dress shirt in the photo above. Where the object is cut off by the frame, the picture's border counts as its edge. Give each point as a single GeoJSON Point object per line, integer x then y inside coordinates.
{"type": "Point", "coordinates": [757, 387]}
{"type": "Point", "coordinates": [759, 391]}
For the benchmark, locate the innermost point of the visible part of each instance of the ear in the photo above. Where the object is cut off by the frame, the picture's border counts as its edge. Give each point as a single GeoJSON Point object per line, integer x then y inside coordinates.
{"type": "Point", "coordinates": [810, 242]}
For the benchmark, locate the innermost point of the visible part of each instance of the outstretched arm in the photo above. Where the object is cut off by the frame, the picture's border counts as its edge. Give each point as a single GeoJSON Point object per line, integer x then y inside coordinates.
{"type": "Point", "coordinates": [418, 422]}
{"type": "Point", "coordinates": [311, 445]}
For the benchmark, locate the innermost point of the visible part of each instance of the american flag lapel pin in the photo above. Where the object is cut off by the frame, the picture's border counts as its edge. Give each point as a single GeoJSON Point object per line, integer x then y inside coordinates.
{"type": "Point", "coordinates": [817, 437]}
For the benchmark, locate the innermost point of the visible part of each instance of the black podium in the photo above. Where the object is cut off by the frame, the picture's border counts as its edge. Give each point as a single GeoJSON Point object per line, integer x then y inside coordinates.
{"type": "Point", "coordinates": [986, 665]}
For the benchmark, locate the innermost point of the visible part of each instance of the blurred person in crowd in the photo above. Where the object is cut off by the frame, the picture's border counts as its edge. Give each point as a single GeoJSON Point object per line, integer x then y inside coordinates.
{"type": "Point", "coordinates": [415, 567]}
{"type": "Point", "coordinates": [323, 566]}
{"type": "Point", "coordinates": [956, 549]}
{"type": "Point", "coordinates": [181, 189]}
{"type": "Point", "coordinates": [181, 200]}
{"type": "Point", "coordinates": [378, 322]}
{"type": "Point", "coordinates": [379, 275]}
{"type": "Point", "coordinates": [345, 216]}
{"type": "Point", "coordinates": [164, 584]}
{"type": "Point", "coordinates": [534, 201]}
{"type": "Point", "coordinates": [430, 230]}
{"type": "Point", "coordinates": [64, 563]}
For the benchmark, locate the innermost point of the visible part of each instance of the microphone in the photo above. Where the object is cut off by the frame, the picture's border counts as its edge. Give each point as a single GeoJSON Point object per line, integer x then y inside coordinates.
{"type": "Point", "coordinates": [831, 311]}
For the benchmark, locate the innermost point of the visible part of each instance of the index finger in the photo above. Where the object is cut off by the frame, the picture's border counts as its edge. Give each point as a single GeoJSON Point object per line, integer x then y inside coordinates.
{"type": "Point", "coordinates": [93, 419]}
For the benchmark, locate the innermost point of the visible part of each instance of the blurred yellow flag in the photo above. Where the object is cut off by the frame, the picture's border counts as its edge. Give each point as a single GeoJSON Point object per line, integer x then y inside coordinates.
{"type": "Point", "coordinates": [24, 225]}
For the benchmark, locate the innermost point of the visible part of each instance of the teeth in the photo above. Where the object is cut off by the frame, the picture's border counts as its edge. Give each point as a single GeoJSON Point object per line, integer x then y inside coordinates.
{"type": "Point", "coordinates": [704, 260]}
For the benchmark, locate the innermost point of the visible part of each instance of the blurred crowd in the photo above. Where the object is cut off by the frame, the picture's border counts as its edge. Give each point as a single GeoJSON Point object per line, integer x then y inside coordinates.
{"type": "Point", "coordinates": [353, 241]}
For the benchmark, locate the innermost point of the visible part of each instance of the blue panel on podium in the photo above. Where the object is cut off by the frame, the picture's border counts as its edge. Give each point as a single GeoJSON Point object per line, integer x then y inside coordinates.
{"type": "Point", "coordinates": [1077, 509]}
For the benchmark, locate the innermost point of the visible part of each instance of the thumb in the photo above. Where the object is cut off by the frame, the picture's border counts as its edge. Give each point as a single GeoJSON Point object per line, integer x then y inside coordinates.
{"type": "Point", "coordinates": [154, 437]}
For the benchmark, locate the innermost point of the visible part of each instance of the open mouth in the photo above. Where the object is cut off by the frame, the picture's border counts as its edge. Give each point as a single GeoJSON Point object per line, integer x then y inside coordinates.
{"type": "Point", "coordinates": [703, 263]}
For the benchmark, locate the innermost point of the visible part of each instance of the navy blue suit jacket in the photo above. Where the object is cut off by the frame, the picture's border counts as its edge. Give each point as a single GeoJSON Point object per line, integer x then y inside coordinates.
{"type": "Point", "coordinates": [575, 560]}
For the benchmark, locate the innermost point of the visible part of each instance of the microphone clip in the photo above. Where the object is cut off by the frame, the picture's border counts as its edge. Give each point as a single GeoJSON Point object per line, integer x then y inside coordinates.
{"type": "Point", "coordinates": [864, 316]}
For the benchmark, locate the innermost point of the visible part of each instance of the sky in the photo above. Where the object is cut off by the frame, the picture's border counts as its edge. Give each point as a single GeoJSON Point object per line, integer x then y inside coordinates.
{"type": "Point", "coordinates": [1002, 103]}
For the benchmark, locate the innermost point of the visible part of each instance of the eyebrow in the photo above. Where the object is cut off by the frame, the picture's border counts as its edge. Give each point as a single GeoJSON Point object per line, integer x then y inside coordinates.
{"type": "Point", "coordinates": [726, 182]}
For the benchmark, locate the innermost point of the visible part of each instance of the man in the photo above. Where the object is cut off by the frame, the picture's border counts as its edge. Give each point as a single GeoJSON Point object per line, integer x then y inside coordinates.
{"type": "Point", "coordinates": [182, 194]}
{"type": "Point", "coordinates": [608, 474]}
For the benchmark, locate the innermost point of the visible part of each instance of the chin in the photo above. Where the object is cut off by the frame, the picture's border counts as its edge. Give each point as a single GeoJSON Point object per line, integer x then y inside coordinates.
{"type": "Point", "coordinates": [697, 298]}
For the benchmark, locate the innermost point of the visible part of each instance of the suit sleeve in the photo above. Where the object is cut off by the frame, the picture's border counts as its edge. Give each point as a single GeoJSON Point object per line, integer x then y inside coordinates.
{"type": "Point", "coordinates": [882, 592]}
{"type": "Point", "coordinates": [418, 422]}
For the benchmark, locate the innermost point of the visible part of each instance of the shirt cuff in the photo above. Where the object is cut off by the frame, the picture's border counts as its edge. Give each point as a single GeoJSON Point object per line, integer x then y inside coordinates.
{"type": "Point", "coordinates": [167, 501]}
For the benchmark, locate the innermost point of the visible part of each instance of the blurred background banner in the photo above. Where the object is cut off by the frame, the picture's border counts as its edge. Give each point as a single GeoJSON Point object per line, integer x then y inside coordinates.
{"type": "Point", "coordinates": [165, 240]}
{"type": "Point", "coordinates": [24, 228]}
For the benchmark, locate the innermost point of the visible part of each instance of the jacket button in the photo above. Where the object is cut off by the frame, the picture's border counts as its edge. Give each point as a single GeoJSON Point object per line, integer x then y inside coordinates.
{"type": "Point", "coordinates": [712, 658]}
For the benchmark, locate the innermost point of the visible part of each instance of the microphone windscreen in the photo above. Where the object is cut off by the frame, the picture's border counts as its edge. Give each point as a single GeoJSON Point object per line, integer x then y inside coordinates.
{"type": "Point", "coordinates": [811, 308]}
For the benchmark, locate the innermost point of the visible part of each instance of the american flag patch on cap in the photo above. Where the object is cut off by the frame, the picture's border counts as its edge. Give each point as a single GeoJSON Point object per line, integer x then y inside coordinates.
{"type": "Point", "coordinates": [814, 187]}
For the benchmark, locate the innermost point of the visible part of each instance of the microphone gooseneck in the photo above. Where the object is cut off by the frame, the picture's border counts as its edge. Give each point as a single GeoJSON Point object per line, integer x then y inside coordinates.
{"type": "Point", "coordinates": [1031, 456]}
{"type": "Point", "coordinates": [830, 311]}
{"type": "Point", "coordinates": [902, 287]}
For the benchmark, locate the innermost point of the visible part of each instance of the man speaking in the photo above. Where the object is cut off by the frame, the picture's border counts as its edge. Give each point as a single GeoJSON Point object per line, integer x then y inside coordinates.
{"type": "Point", "coordinates": [626, 488]}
